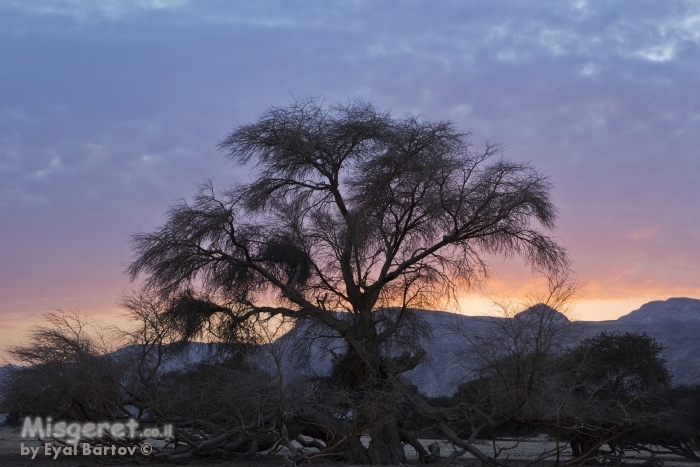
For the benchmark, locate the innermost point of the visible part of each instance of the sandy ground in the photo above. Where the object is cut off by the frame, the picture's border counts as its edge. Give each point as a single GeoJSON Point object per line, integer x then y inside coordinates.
{"type": "Point", "coordinates": [11, 455]}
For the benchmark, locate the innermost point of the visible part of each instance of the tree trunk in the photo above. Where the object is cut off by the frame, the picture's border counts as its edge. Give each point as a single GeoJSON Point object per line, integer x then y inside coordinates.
{"type": "Point", "coordinates": [373, 379]}
{"type": "Point", "coordinates": [355, 452]}
{"type": "Point", "coordinates": [385, 447]}
{"type": "Point", "coordinates": [581, 445]}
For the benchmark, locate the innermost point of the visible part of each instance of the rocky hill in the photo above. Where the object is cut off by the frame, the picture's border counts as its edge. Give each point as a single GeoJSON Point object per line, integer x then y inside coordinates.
{"type": "Point", "coordinates": [674, 323]}
{"type": "Point", "coordinates": [686, 310]}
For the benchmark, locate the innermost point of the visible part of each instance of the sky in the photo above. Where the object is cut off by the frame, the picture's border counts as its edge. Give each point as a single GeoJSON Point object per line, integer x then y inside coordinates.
{"type": "Point", "coordinates": [111, 110]}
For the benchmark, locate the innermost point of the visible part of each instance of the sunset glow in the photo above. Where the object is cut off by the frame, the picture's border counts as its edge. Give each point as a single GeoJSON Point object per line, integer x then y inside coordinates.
{"type": "Point", "coordinates": [109, 111]}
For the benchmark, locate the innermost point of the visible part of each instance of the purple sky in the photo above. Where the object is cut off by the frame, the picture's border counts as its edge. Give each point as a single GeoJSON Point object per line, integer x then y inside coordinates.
{"type": "Point", "coordinates": [110, 110]}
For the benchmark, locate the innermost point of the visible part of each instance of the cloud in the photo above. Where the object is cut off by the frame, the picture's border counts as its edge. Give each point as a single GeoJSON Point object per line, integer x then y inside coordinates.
{"type": "Point", "coordinates": [110, 110]}
{"type": "Point", "coordinates": [644, 233]}
{"type": "Point", "coordinates": [86, 9]}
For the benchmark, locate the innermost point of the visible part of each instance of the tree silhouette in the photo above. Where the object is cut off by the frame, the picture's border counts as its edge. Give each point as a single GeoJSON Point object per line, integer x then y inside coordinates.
{"type": "Point", "coordinates": [354, 218]}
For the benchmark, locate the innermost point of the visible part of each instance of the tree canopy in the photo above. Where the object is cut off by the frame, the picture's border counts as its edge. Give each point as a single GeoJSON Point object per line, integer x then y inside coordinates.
{"type": "Point", "coordinates": [622, 366]}
{"type": "Point", "coordinates": [351, 211]}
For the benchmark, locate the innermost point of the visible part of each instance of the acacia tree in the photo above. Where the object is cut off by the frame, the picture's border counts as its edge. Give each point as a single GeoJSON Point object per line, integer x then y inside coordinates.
{"type": "Point", "coordinates": [625, 377]}
{"type": "Point", "coordinates": [352, 211]}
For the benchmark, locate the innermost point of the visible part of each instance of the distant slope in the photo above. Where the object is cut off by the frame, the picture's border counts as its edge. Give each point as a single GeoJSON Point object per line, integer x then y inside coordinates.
{"type": "Point", "coordinates": [446, 363]}
{"type": "Point", "coordinates": [674, 323]}
{"type": "Point", "coordinates": [686, 310]}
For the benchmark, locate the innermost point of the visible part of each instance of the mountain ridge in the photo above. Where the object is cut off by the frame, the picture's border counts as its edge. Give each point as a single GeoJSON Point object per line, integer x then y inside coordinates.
{"type": "Point", "coordinates": [683, 309]}
{"type": "Point", "coordinates": [671, 322]}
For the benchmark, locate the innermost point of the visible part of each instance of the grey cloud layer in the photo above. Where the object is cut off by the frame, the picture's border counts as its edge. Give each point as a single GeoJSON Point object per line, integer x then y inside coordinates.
{"type": "Point", "coordinates": [109, 110]}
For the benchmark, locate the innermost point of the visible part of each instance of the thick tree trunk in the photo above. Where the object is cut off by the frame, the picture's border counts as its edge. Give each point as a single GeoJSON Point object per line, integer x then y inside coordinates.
{"type": "Point", "coordinates": [339, 437]}
{"type": "Point", "coordinates": [581, 445]}
{"type": "Point", "coordinates": [355, 452]}
{"type": "Point", "coordinates": [385, 447]}
{"type": "Point", "coordinates": [372, 378]}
